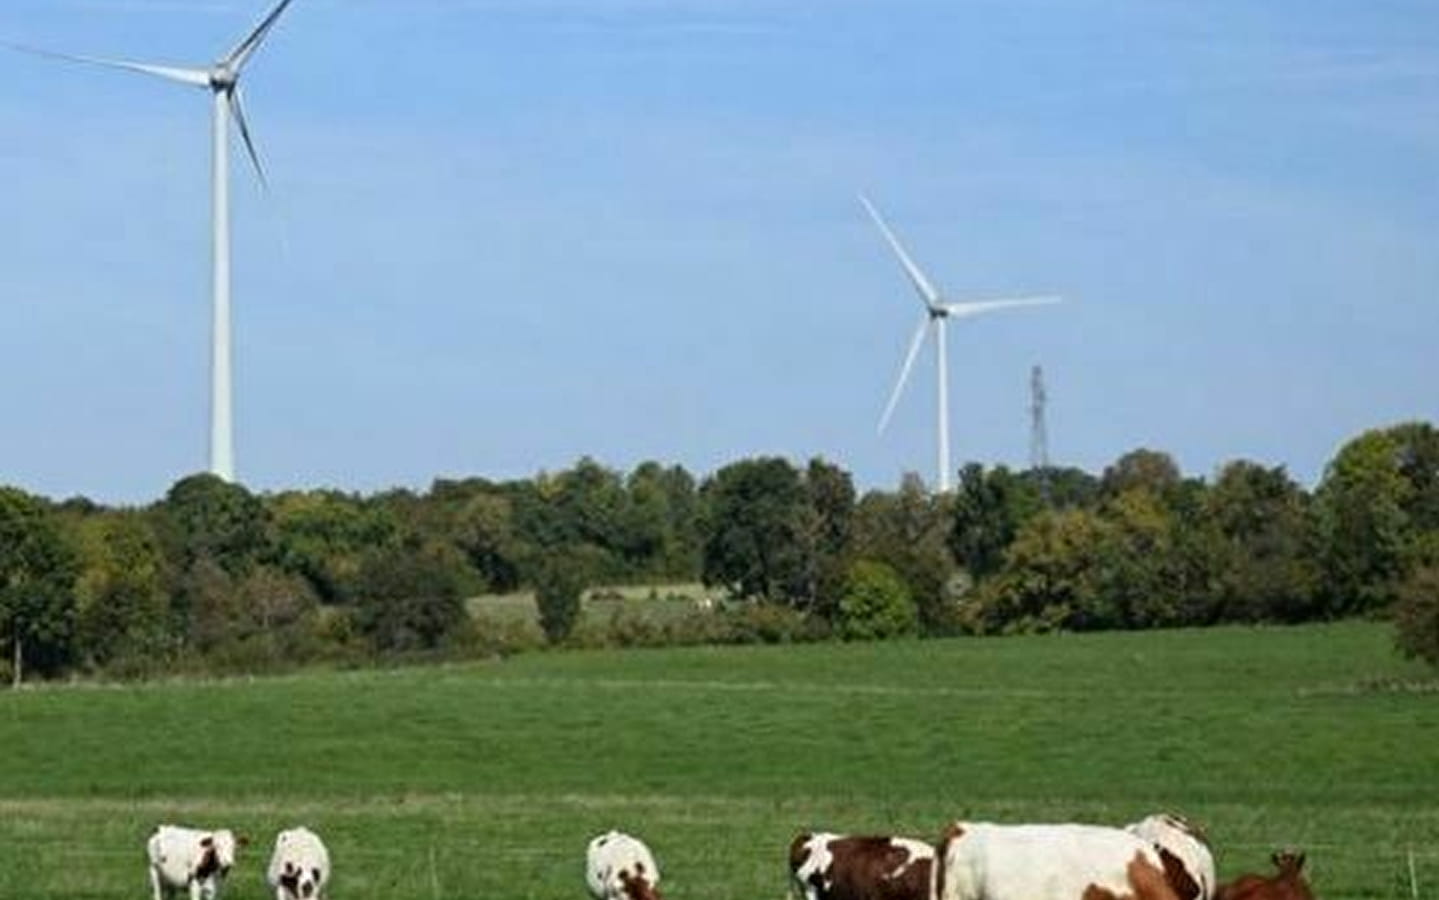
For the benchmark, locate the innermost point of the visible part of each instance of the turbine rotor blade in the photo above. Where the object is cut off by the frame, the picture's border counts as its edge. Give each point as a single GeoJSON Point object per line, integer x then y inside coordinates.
{"type": "Point", "coordinates": [927, 293]}
{"type": "Point", "coordinates": [975, 307]}
{"type": "Point", "coordinates": [914, 345]}
{"type": "Point", "coordinates": [196, 77]}
{"type": "Point", "coordinates": [237, 110]}
{"type": "Point", "coordinates": [237, 57]}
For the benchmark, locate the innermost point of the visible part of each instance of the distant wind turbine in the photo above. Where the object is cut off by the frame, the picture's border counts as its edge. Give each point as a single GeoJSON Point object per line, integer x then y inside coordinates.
{"type": "Point", "coordinates": [222, 79]}
{"type": "Point", "coordinates": [937, 313]}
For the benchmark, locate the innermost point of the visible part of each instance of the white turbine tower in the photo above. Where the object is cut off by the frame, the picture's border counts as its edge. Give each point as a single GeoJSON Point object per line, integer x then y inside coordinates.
{"type": "Point", "coordinates": [222, 79]}
{"type": "Point", "coordinates": [937, 312]}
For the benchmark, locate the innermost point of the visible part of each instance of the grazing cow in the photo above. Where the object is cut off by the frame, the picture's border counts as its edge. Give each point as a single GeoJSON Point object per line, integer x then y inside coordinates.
{"type": "Point", "coordinates": [191, 859]}
{"type": "Point", "coordinates": [1289, 884]}
{"type": "Point", "coordinates": [1184, 850]}
{"type": "Point", "coordinates": [300, 866]}
{"type": "Point", "coordinates": [621, 867]}
{"type": "Point", "coordinates": [982, 861]}
{"type": "Point", "coordinates": [828, 866]}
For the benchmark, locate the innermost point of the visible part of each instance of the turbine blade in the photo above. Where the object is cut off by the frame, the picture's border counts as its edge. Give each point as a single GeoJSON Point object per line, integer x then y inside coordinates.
{"type": "Point", "coordinates": [975, 307]}
{"type": "Point", "coordinates": [237, 110]}
{"type": "Point", "coordinates": [904, 372]}
{"type": "Point", "coordinates": [926, 290]}
{"type": "Point", "coordinates": [196, 77]}
{"type": "Point", "coordinates": [237, 57]}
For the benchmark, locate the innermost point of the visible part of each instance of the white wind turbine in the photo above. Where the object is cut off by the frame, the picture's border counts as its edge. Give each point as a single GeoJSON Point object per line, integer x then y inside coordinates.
{"type": "Point", "coordinates": [222, 79]}
{"type": "Point", "coordinates": [937, 313]}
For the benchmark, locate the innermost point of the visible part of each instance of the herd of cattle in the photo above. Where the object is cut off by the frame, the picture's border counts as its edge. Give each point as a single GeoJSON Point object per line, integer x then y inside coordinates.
{"type": "Point", "coordinates": [1161, 857]}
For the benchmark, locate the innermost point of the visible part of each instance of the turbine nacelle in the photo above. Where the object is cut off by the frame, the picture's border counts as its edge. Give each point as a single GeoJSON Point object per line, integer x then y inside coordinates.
{"type": "Point", "coordinates": [224, 78]}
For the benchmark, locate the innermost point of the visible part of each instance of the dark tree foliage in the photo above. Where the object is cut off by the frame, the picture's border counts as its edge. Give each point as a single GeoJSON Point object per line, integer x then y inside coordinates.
{"type": "Point", "coordinates": [206, 517]}
{"type": "Point", "coordinates": [408, 598]}
{"type": "Point", "coordinates": [1150, 470]}
{"type": "Point", "coordinates": [560, 580]}
{"type": "Point", "coordinates": [907, 531]}
{"type": "Point", "coordinates": [1416, 615]}
{"type": "Point", "coordinates": [322, 536]}
{"type": "Point", "coordinates": [1264, 565]}
{"type": "Point", "coordinates": [37, 576]}
{"type": "Point", "coordinates": [989, 508]}
{"type": "Point", "coordinates": [753, 509]}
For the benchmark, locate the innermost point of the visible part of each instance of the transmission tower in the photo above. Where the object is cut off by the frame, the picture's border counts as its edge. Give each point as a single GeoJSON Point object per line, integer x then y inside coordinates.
{"type": "Point", "coordinates": [1038, 434]}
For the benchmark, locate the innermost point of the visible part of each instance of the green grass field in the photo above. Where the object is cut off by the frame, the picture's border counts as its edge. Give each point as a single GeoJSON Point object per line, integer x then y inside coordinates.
{"type": "Point", "coordinates": [486, 780]}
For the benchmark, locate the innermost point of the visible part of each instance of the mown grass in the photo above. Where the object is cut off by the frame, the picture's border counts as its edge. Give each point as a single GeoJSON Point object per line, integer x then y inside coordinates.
{"type": "Point", "coordinates": [485, 780]}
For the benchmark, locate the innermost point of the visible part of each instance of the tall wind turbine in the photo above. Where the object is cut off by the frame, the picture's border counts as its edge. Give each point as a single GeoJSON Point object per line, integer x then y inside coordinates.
{"type": "Point", "coordinates": [937, 312]}
{"type": "Point", "coordinates": [222, 79]}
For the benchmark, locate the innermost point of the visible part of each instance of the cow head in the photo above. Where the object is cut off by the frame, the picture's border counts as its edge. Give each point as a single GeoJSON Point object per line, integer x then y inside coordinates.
{"type": "Point", "coordinates": [217, 856]}
{"type": "Point", "coordinates": [637, 885]}
{"type": "Point", "coordinates": [1288, 862]}
{"type": "Point", "coordinates": [299, 882]}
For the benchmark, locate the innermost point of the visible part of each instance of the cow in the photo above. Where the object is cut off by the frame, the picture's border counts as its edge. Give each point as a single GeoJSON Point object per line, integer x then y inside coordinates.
{"type": "Point", "coordinates": [827, 866]}
{"type": "Point", "coordinates": [1289, 884]}
{"type": "Point", "coordinates": [984, 861]}
{"type": "Point", "coordinates": [620, 867]}
{"type": "Point", "coordinates": [190, 858]}
{"type": "Point", "coordinates": [1184, 850]}
{"type": "Point", "coordinates": [299, 866]}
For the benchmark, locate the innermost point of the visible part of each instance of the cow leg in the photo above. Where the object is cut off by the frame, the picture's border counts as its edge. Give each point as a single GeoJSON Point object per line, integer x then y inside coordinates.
{"type": "Point", "coordinates": [156, 891]}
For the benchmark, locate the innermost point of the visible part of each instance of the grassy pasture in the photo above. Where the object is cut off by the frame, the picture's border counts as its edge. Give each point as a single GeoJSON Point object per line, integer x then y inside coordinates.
{"type": "Point", "coordinates": [486, 780]}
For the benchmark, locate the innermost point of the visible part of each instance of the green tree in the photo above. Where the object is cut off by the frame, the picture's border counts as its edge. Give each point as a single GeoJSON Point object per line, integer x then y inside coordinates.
{"type": "Point", "coordinates": [1265, 569]}
{"type": "Point", "coordinates": [324, 535]}
{"type": "Point", "coordinates": [825, 532]}
{"type": "Point", "coordinates": [1362, 524]}
{"type": "Point", "coordinates": [876, 604]}
{"type": "Point", "coordinates": [1416, 615]}
{"type": "Point", "coordinates": [1050, 580]}
{"type": "Point", "coordinates": [408, 598]}
{"type": "Point", "coordinates": [752, 511]}
{"type": "Point", "coordinates": [207, 517]}
{"type": "Point", "coordinates": [37, 576]}
{"type": "Point", "coordinates": [989, 508]}
{"type": "Point", "coordinates": [122, 594]}
{"type": "Point", "coordinates": [560, 579]}
{"type": "Point", "coordinates": [907, 531]}
{"type": "Point", "coordinates": [1152, 470]}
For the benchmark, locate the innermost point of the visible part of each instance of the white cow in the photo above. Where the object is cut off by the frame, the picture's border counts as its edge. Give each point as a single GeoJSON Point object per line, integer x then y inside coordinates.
{"type": "Point", "coordinates": [1184, 850]}
{"type": "Point", "coordinates": [982, 861]}
{"type": "Point", "coordinates": [191, 859]}
{"type": "Point", "coordinates": [300, 866]}
{"type": "Point", "coordinates": [621, 867]}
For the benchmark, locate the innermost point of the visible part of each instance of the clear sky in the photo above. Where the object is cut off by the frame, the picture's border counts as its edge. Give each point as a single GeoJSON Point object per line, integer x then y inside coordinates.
{"type": "Point", "coordinates": [507, 233]}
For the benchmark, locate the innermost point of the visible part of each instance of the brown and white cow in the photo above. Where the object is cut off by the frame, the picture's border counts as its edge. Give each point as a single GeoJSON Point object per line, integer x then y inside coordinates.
{"type": "Point", "coordinates": [984, 861]}
{"type": "Point", "coordinates": [1184, 850]}
{"type": "Point", "coordinates": [190, 859]}
{"type": "Point", "coordinates": [1288, 884]}
{"type": "Point", "coordinates": [619, 866]}
{"type": "Point", "coordinates": [826, 866]}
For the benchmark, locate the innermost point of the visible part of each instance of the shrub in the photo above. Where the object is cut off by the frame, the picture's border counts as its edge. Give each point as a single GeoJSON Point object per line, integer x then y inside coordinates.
{"type": "Point", "coordinates": [1416, 615]}
{"type": "Point", "coordinates": [876, 604]}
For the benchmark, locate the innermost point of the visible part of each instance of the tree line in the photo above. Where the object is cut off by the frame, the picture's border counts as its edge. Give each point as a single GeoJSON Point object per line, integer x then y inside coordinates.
{"type": "Point", "coordinates": [213, 577]}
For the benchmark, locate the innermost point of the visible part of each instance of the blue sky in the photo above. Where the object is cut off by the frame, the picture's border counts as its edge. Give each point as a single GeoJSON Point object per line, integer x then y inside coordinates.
{"type": "Point", "coordinates": [506, 233]}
